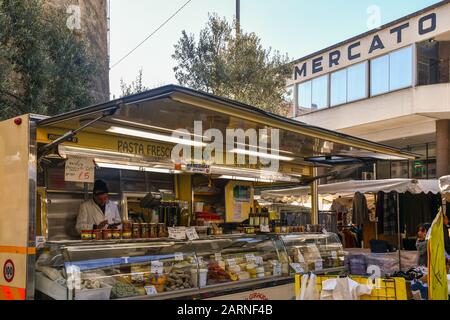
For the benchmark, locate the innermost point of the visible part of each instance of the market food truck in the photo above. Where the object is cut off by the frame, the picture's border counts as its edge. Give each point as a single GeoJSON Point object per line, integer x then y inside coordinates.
{"type": "Point", "coordinates": [190, 228]}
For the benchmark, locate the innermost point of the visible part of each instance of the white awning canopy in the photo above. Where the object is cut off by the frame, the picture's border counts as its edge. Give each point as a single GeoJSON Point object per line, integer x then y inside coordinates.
{"type": "Point", "coordinates": [365, 186]}
{"type": "Point", "coordinates": [444, 184]}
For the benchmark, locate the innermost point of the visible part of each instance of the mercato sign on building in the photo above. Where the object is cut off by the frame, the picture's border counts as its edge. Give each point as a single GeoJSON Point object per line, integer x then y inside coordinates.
{"type": "Point", "coordinates": [390, 85]}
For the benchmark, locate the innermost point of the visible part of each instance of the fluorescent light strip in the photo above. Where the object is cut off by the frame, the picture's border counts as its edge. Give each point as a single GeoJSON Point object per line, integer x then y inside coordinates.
{"type": "Point", "coordinates": [245, 179]}
{"type": "Point", "coordinates": [261, 155]}
{"type": "Point", "coordinates": [153, 127]}
{"type": "Point", "coordinates": [135, 168]}
{"type": "Point", "coordinates": [154, 136]}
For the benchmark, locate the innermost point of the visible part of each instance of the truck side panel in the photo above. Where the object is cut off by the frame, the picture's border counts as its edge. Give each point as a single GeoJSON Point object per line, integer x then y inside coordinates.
{"type": "Point", "coordinates": [15, 202]}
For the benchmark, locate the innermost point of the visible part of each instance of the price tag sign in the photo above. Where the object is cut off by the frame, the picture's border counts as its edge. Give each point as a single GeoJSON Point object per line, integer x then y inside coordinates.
{"type": "Point", "coordinates": [276, 269]}
{"type": "Point", "coordinates": [157, 267]}
{"type": "Point", "coordinates": [79, 169]}
{"type": "Point", "coordinates": [151, 290]}
{"type": "Point", "coordinates": [231, 262]}
{"type": "Point", "coordinates": [138, 277]}
{"type": "Point", "coordinates": [297, 268]}
{"type": "Point", "coordinates": [177, 233]}
{"type": "Point", "coordinates": [40, 242]}
{"type": "Point", "coordinates": [319, 265]}
{"type": "Point", "coordinates": [259, 260]}
{"type": "Point", "coordinates": [265, 228]}
{"type": "Point", "coordinates": [179, 256]}
{"type": "Point", "coordinates": [334, 255]}
{"type": "Point", "coordinates": [191, 234]}
{"type": "Point", "coordinates": [250, 258]}
{"type": "Point", "coordinates": [218, 256]}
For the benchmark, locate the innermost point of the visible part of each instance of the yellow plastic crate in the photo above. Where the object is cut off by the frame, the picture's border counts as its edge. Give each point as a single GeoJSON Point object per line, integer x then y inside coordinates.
{"type": "Point", "coordinates": [383, 289]}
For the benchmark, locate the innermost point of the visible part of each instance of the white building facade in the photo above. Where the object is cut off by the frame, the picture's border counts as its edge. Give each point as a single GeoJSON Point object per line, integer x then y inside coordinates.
{"type": "Point", "coordinates": [390, 85]}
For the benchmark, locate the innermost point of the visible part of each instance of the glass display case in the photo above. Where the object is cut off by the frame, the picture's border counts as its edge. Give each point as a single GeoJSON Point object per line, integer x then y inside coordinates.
{"type": "Point", "coordinates": [315, 252]}
{"type": "Point", "coordinates": [101, 270]}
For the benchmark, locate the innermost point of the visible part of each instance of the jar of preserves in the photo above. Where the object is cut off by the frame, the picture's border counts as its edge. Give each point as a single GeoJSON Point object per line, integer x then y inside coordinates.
{"type": "Point", "coordinates": [97, 235]}
{"type": "Point", "coordinates": [107, 234]}
{"type": "Point", "coordinates": [127, 234]}
{"type": "Point", "coordinates": [145, 231]}
{"type": "Point", "coordinates": [116, 234]}
{"type": "Point", "coordinates": [127, 226]}
{"type": "Point", "coordinates": [86, 234]}
{"type": "Point", "coordinates": [153, 231]}
{"type": "Point", "coordinates": [162, 230]}
{"type": "Point", "coordinates": [136, 232]}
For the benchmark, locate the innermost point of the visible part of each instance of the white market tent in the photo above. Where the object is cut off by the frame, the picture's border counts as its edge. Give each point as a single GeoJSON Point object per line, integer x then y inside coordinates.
{"type": "Point", "coordinates": [349, 188]}
{"type": "Point", "coordinates": [365, 186]}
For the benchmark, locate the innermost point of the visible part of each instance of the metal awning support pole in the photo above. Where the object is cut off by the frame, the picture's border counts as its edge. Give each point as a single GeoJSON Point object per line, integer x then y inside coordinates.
{"type": "Point", "coordinates": [399, 234]}
{"type": "Point", "coordinates": [315, 197]}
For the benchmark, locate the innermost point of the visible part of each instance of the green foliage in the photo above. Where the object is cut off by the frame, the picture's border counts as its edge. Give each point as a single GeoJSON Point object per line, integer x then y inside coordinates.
{"type": "Point", "coordinates": [44, 66]}
{"type": "Point", "coordinates": [235, 67]}
{"type": "Point", "coordinates": [136, 86]}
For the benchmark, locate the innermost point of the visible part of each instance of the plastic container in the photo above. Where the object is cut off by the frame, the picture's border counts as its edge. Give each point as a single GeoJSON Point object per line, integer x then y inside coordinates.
{"type": "Point", "coordinates": [86, 234]}
{"type": "Point", "coordinates": [103, 293]}
{"type": "Point", "coordinates": [199, 281]}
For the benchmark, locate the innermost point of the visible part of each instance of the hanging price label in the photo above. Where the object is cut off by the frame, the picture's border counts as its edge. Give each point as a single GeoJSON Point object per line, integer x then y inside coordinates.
{"type": "Point", "coordinates": [191, 234]}
{"type": "Point", "coordinates": [297, 268]}
{"type": "Point", "coordinates": [151, 290]}
{"type": "Point", "coordinates": [334, 255]}
{"type": "Point", "coordinates": [259, 260]}
{"type": "Point", "coordinates": [157, 267]}
{"type": "Point", "coordinates": [231, 262]}
{"type": "Point", "coordinates": [319, 265]}
{"type": "Point", "coordinates": [177, 233]}
{"type": "Point", "coordinates": [179, 256]}
{"type": "Point", "coordinates": [218, 256]}
{"type": "Point", "coordinates": [265, 228]}
{"type": "Point", "coordinates": [250, 258]}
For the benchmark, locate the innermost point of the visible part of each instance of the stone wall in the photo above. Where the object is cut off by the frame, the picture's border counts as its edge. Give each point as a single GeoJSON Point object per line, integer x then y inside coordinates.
{"type": "Point", "coordinates": [94, 31]}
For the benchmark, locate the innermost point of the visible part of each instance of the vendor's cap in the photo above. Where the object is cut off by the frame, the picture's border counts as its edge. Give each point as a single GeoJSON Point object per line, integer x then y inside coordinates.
{"type": "Point", "coordinates": [100, 187]}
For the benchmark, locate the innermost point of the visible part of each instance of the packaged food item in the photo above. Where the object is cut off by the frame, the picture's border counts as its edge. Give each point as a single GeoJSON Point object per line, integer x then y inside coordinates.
{"type": "Point", "coordinates": [116, 234]}
{"type": "Point", "coordinates": [107, 234]}
{"type": "Point", "coordinates": [260, 272]}
{"type": "Point", "coordinates": [243, 275]}
{"type": "Point", "coordinates": [216, 274]}
{"type": "Point", "coordinates": [159, 281]}
{"type": "Point", "coordinates": [136, 231]}
{"type": "Point", "coordinates": [153, 231]}
{"type": "Point", "coordinates": [127, 225]}
{"type": "Point", "coordinates": [145, 231]}
{"type": "Point", "coordinates": [127, 234]}
{"type": "Point", "coordinates": [123, 289]}
{"type": "Point", "coordinates": [86, 234]}
{"type": "Point", "coordinates": [97, 235]}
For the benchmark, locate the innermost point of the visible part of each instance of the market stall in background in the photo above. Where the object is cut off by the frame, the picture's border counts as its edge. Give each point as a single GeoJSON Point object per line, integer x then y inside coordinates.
{"type": "Point", "coordinates": [189, 229]}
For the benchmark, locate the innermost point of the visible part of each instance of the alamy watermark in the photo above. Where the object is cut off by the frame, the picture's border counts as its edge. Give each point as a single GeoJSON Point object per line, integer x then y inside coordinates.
{"type": "Point", "coordinates": [74, 19]}
{"type": "Point", "coordinates": [237, 147]}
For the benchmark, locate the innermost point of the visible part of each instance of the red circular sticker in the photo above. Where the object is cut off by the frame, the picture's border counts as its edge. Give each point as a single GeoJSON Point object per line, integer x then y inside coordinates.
{"type": "Point", "coordinates": [9, 271]}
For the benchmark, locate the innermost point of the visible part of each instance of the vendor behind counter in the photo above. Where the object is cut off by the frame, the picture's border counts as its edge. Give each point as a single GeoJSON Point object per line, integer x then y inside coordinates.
{"type": "Point", "coordinates": [99, 212]}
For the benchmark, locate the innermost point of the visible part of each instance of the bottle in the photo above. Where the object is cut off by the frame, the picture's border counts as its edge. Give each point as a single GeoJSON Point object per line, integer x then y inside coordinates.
{"type": "Point", "coordinates": [251, 218]}
{"type": "Point", "coordinates": [266, 217]}
{"type": "Point", "coordinates": [257, 222]}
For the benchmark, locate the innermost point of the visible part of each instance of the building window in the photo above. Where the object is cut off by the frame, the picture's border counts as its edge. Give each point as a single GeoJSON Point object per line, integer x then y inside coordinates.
{"type": "Point", "coordinates": [313, 95]}
{"type": "Point", "coordinates": [401, 69]}
{"type": "Point", "coordinates": [304, 97]}
{"type": "Point", "coordinates": [338, 93]}
{"type": "Point", "coordinates": [357, 82]}
{"type": "Point", "coordinates": [392, 72]}
{"type": "Point", "coordinates": [433, 62]}
{"type": "Point", "coordinates": [319, 93]}
{"type": "Point", "coordinates": [379, 75]}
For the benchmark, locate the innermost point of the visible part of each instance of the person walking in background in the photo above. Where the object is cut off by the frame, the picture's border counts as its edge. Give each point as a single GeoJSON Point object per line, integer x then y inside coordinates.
{"type": "Point", "coordinates": [422, 244]}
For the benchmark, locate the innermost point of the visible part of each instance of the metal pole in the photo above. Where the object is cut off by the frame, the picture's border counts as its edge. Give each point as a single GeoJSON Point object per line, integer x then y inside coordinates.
{"type": "Point", "coordinates": [399, 234]}
{"type": "Point", "coordinates": [315, 198]}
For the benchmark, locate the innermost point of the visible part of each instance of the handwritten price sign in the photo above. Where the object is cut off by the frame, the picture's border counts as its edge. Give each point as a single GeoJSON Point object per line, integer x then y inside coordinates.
{"type": "Point", "coordinates": [79, 170]}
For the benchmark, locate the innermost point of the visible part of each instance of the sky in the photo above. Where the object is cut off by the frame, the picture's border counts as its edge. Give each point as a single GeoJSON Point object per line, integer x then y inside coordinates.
{"type": "Point", "coordinates": [295, 27]}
